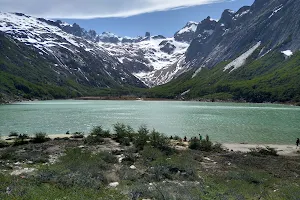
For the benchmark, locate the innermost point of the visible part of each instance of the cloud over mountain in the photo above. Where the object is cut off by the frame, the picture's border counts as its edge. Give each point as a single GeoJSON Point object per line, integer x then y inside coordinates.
{"type": "Point", "coordinates": [84, 9]}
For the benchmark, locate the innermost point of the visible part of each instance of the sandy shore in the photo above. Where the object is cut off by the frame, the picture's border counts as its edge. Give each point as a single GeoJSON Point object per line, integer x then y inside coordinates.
{"type": "Point", "coordinates": [283, 149]}
{"type": "Point", "coordinates": [286, 150]}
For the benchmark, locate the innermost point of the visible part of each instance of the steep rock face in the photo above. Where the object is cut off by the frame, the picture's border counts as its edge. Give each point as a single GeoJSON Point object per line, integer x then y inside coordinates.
{"type": "Point", "coordinates": [273, 23]}
{"type": "Point", "coordinates": [204, 31]}
{"type": "Point", "coordinates": [187, 33]}
{"type": "Point", "coordinates": [67, 55]}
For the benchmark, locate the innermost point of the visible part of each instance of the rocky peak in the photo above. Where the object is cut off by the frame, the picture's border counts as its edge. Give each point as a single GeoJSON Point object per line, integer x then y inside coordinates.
{"type": "Point", "coordinates": [227, 17]}
{"type": "Point", "coordinates": [186, 34]}
{"type": "Point", "coordinates": [258, 4]}
{"type": "Point", "coordinates": [109, 37]}
{"type": "Point", "coordinates": [205, 25]}
{"type": "Point", "coordinates": [147, 34]}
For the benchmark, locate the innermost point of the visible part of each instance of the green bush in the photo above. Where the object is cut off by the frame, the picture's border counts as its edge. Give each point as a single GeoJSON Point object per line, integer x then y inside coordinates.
{"type": "Point", "coordinates": [176, 167]}
{"type": "Point", "coordinates": [108, 157]}
{"type": "Point", "coordinates": [21, 139]}
{"type": "Point", "coordinates": [13, 134]}
{"type": "Point", "coordinates": [150, 154]}
{"type": "Point", "coordinates": [177, 138]}
{"type": "Point", "coordinates": [205, 145]}
{"type": "Point", "coordinates": [79, 167]}
{"type": "Point", "coordinates": [98, 131]}
{"type": "Point", "coordinates": [96, 136]}
{"type": "Point", "coordinates": [94, 140]}
{"type": "Point", "coordinates": [141, 138]}
{"type": "Point", "coordinates": [40, 138]}
{"type": "Point", "coordinates": [158, 140]}
{"type": "Point", "coordinates": [124, 134]}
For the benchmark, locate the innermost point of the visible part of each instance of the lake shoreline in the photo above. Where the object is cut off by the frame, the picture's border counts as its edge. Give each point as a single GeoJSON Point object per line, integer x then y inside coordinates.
{"type": "Point", "coordinates": [107, 98]}
{"type": "Point", "coordinates": [282, 149]}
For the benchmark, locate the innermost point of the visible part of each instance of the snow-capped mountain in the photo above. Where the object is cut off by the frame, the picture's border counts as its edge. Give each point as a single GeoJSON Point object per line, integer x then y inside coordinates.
{"type": "Point", "coordinates": [145, 56]}
{"type": "Point", "coordinates": [266, 25]}
{"type": "Point", "coordinates": [122, 58]}
{"type": "Point", "coordinates": [155, 60]}
{"type": "Point", "coordinates": [70, 54]}
{"type": "Point", "coordinates": [187, 33]}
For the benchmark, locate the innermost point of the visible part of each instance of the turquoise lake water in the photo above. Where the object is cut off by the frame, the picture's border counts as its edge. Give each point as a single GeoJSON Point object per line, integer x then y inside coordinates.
{"type": "Point", "coordinates": [223, 122]}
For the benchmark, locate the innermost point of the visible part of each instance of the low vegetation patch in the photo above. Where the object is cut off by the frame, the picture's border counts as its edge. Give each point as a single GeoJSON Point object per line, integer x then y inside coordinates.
{"type": "Point", "coordinates": [142, 164]}
{"type": "Point", "coordinates": [40, 138]}
{"type": "Point", "coordinates": [77, 135]}
{"type": "Point", "coordinates": [260, 151]}
{"type": "Point", "coordinates": [205, 145]}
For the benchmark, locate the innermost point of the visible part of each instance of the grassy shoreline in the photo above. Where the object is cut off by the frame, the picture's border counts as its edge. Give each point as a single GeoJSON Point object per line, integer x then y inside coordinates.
{"type": "Point", "coordinates": [142, 164]}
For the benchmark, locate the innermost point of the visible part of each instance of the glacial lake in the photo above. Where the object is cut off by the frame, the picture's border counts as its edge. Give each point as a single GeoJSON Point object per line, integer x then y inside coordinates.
{"type": "Point", "coordinates": [223, 122]}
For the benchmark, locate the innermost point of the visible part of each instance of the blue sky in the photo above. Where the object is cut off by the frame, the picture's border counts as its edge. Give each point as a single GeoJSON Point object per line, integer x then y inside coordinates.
{"type": "Point", "coordinates": [161, 22]}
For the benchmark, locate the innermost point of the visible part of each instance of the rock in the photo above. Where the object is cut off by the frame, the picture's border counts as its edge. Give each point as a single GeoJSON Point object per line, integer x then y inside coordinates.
{"type": "Point", "coordinates": [132, 167]}
{"type": "Point", "coordinates": [120, 157]}
{"type": "Point", "coordinates": [22, 171]}
{"type": "Point", "coordinates": [114, 184]}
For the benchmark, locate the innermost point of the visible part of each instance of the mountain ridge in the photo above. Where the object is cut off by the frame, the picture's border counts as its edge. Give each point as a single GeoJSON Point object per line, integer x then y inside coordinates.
{"type": "Point", "coordinates": [249, 34]}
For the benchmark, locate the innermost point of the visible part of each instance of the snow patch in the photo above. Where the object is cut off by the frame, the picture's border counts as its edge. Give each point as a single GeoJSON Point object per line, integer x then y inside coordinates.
{"type": "Point", "coordinates": [184, 93]}
{"type": "Point", "coordinates": [276, 10]}
{"type": "Point", "coordinates": [242, 14]}
{"type": "Point", "coordinates": [240, 61]}
{"type": "Point", "coordinates": [287, 53]}
{"type": "Point", "coordinates": [197, 72]}
{"type": "Point", "coordinates": [191, 27]}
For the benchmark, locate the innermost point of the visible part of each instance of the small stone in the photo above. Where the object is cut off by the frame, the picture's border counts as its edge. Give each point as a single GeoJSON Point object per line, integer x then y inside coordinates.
{"type": "Point", "coordinates": [114, 184]}
{"type": "Point", "coordinates": [132, 167]}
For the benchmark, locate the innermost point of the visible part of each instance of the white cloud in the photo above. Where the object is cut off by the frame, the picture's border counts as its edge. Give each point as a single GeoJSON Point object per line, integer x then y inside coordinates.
{"type": "Point", "coordinates": [94, 8]}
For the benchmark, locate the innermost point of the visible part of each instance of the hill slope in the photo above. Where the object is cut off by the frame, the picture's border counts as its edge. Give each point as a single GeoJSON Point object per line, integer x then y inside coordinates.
{"type": "Point", "coordinates": [272, 78]}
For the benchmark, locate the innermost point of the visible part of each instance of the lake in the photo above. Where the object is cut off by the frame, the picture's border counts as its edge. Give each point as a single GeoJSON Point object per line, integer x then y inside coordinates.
{"type": "Point", "coordinates": [223, 122]}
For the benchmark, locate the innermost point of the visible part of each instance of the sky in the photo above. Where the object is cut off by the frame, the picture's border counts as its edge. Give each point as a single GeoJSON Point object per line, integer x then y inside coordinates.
{"type": "Point", "coordinates": [125, 17]}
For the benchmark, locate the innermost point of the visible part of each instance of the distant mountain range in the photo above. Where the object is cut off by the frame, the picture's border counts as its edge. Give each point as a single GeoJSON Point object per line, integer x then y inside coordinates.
{"type": "Point", "coordinates": [41, 58]}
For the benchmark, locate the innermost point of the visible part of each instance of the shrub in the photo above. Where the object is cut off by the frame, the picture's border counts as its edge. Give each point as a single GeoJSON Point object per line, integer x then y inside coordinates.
{"type": "Point", "coordinates": [124, 134]}
{"type": "Point", "coordinates": [79, 167]}
{"type": "Point", "coordinates": [177, 138]}
{"type": "Point", "coordinates": [176, 167]}
{"type": "Point", "coordinates": [77, 135]}
{"type": "Point", "coordinates": [141, 138]}
{"type": "Point", "coordinates": [150, 154]}
{"type": "Point", "coordinates": [205, 145]}
{"type": "Point", "coordinates": [40, 138]}
{"type": "Point", "coordinates": [96, 136]}
{"type": "Point", "coordinates": [98, 131]}
{"type": "Point", "coordinates": [158, 140]}
{"type": "Point", "coordinates": [194, 144]}
{"type": "Point", "coordinates": [259, 151]}
{"type": "Point", "coordinates": [21, 139]}
{"type": "Point", "coordinates": [13, 134]}
{"type": "Point", "coordinates": [108, 157]}
{"type": "Point", "coordinates": [93, 140]}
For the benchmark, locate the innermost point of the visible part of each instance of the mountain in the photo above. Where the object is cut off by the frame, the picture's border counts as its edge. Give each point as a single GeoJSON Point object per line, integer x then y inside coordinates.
{"type": "Point", "coordinates": [42, 51]}
{"type": "Point", "coordinates": [187, 33]}
{"type": "Point", "coordinates": [251, 55]}
{"type": "Point", "coordinates": [230, 58]}
{"type": "Point", "coordinates": [268, 23]}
